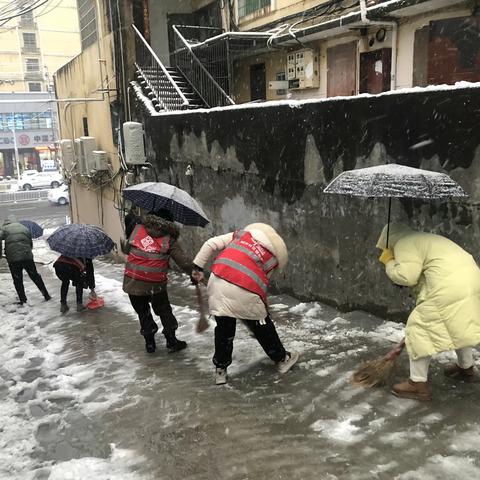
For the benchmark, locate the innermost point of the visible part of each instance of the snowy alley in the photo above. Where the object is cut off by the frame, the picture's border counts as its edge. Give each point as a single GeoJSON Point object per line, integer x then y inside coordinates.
{"type": "Point", "coordinates": [82, 399]}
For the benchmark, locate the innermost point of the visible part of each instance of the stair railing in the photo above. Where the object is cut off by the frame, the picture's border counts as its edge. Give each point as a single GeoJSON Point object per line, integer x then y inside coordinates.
{"type": "Point", "coordinates": [198, 76]}
{"type": "Point", "coordinates": [161, 83]}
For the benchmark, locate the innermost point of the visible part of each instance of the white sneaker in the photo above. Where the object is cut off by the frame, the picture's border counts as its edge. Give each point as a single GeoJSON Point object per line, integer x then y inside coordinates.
{"type": "Point", "coordinates": [220, 376]}
{"type": "Point", "coordinates": [288, 362]}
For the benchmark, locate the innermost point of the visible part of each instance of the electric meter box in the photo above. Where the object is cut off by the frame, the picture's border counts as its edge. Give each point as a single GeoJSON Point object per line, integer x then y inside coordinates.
{"type": "Point", "coordinates": [303, 69]}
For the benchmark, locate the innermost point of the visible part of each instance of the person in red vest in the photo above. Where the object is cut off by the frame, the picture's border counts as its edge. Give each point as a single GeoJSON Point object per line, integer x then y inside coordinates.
{"type": "Point", "coordinates": [237, 289]}
{"type": "Point", "coordinates": [150, 246]}
{"type": "Point", "coordinates": [80, 272]}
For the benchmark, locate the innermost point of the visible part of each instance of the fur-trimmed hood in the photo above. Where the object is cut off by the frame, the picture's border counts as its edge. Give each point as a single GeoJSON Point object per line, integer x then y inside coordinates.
{"type": "Point", "coordinates": [271, 240]}
{"type": "Point", "coordinates": [158, 227]}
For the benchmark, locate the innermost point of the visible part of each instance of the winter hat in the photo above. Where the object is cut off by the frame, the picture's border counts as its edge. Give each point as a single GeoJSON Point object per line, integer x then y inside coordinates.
{"type": "Point", "coordinates": [395, 232]}
{"type": "Point", "coordinates": [163, 213]}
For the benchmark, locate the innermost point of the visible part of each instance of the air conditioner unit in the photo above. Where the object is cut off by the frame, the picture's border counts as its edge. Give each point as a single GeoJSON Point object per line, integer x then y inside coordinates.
{"type": "Point", "coordinates": [84, 147]}
{"type": "Point", "coordinates": [100, 160]}
{"type": "Point", "coordinates": [68, 154]}
{"type": "Point", "coordinates": [134, 143]}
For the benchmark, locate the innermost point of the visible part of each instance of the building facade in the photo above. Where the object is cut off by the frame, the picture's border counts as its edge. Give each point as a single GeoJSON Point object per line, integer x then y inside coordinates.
{"type": "Point", "coordinates": [28, 132]}
{"type": "Point", "coordinates": [34, 45]}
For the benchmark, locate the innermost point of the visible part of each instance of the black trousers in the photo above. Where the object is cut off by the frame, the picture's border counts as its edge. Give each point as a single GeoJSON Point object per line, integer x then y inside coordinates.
{"type": "Point", "coordinates": [266, 336]}
{"type": "Point", "coordinates": [161, 307]}
{"type": "Point", "coordinates": [16, 269]}
{"type": "Point", "coordinates": [69, 273]}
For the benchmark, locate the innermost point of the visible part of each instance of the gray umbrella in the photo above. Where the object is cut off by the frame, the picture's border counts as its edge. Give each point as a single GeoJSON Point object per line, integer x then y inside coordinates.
{"type": "Point", "coordinates": [394, 180]}
{"type": "Point", "coordinates": [155, 196]}
{"type": "Point", "coordinates": [81, 241]}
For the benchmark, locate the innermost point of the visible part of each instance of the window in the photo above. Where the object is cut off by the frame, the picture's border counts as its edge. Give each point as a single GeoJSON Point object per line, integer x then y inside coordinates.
{"type": "Point", "coordinates": [29, 41]}
{"type": "Point", "coordinates": [27, 18]}
{"type": "Point", "coordinates": [88, 22]}
{"type": "Point", "coordinates": [32, 64]}
{"type": "Point", "coordinates": [34, 87]}
{"type": "Point", "coordinates": [25, 121]}
{"type": "Point", "coordinates": [246, 7]}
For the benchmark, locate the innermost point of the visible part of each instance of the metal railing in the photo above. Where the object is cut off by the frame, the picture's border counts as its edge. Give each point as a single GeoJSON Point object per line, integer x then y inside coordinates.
{"type": "Point", "coordinates": [197, 75]}
{"type": "Point", "coordinates": [156, 75]}
{"type": "Point", "coordinates": [21, 196]}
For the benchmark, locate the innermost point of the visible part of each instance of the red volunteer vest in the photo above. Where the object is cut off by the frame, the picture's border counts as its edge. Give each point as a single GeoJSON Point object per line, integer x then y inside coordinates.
{"type": "Point", "coordinates": [245, 263]}
{"type": "Point", "coordinates": [148, 258]}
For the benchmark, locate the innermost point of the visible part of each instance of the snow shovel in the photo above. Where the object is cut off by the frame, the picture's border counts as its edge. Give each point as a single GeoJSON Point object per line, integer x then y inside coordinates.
{"type": "Point", "coordinates": [377, 372]}
{"type": "Point", "coordinates": [203, 322]}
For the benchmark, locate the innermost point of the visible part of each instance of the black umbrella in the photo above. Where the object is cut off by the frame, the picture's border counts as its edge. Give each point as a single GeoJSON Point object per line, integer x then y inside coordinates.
{"type": "Point", "coordinates": [155, 196]}
{"type": "Point", "coordinates": [80, 241]}
{"type": "Point", "coordinates": [36, 230]}
{"type": "Point", "coordinates": [394, 180]}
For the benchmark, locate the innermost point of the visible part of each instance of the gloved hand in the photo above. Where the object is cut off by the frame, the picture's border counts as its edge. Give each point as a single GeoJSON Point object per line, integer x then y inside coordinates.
{"type": "Point", "coordinates": [386, 256]}
{"type": "Point", "coordinates": [197, 276]}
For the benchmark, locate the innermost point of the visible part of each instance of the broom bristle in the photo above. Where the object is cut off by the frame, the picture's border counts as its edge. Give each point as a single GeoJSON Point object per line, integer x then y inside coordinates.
{"type": "Point", "coordinates": [373, 373]}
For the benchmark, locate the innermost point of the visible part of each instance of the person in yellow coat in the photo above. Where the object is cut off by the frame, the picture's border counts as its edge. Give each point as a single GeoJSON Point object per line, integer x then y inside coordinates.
{"type": "Point", "coordinates": [446, 281]}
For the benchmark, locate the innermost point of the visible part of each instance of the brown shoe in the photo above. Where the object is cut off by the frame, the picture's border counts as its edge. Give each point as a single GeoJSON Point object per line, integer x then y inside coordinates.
{"type": "Point", "coordinates": [414, 390]}
{"type": "Point", "coordinates": [455, 372]}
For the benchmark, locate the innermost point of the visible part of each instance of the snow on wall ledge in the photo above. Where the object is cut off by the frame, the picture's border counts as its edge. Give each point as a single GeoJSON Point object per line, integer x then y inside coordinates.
{"type": "Point", "coordinates": [270, 162]}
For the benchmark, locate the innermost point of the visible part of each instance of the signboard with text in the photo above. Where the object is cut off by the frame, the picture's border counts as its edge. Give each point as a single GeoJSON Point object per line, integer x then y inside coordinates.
{"type": "Point", "coordinates": [26, 139]}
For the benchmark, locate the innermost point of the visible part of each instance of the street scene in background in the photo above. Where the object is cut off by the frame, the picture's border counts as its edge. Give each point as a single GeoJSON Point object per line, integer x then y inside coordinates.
{"type": "Point", "coordinates": [239, 239]}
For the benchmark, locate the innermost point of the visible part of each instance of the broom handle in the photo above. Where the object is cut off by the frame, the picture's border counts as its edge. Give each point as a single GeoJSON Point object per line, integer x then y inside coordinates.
{"type": "Point", "coordinates": [396, 350]}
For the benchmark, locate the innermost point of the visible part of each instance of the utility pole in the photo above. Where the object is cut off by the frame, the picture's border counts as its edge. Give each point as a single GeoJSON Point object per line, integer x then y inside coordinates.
{"type": "Point", "coordinates": [17, 160]}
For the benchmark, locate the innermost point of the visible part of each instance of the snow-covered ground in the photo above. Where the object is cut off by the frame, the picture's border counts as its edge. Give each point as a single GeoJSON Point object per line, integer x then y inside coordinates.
{"type": "Point", "coordinates": [81, 399]}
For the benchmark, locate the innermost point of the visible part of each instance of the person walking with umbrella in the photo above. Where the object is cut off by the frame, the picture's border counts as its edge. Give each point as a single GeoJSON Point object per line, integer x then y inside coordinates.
{"type": "Point", "coordinates": [149, 248]}
{"type": "Point", "coordinates": [18, 251]}
{"type": "Point", "coordinates": [446, 281]}
{"type": "Point", "coordinates": [237, 289]}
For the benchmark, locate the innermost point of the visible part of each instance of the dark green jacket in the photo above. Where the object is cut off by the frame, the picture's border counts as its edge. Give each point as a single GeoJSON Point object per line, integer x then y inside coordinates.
{"type": "Point", "coordinates": [18, 241]}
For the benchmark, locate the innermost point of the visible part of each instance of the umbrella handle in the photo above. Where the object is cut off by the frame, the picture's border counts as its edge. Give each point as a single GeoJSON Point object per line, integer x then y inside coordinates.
{"type": "Point", "coordinates": [388, 219]}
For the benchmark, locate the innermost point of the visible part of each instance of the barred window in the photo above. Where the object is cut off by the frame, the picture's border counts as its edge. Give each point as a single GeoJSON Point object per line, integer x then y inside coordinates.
{"type": "Point", "coordinates": [88, 22]}
{"type": "Point", "coordinates": [29, 41]}
{"type": "Point", "coordinates": [32, 64]}
{"type": "Point", "coordinates": [246, 7]}
{"type": "Point", "coordinates": [34, 87]}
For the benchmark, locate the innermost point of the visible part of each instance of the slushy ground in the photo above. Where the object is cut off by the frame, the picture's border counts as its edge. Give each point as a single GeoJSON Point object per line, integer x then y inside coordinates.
{"type": "Point", "coordinates": [81, 399]}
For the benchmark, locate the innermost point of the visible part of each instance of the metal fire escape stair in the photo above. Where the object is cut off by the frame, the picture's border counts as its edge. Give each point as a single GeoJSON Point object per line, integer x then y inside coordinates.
{"type": "Point", "coordinates": [163, 92]}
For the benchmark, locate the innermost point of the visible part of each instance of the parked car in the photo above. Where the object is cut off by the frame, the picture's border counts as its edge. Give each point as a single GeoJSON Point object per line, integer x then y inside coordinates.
{"type": "Point", "coordinates": [28, 173]}
{"type": "Point", "coordinates": [59, 195]}
{"type": "Point", "coordinates": [40, 180]}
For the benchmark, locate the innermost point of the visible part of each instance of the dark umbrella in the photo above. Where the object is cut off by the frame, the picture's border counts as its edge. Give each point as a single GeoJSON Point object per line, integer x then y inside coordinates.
{"type": "Point", "coordinates": [394, 180]}
{"type": "Point", "coordinates": [80, 241]}
{"type": "Point", "coordinates": [155, 196]}
{"type": "Point", "coordinates": [35, 229]}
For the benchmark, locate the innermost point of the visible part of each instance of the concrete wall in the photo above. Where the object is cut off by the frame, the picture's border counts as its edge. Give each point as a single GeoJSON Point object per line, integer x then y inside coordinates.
{"type": "Point", "coordinates": [271, 164]}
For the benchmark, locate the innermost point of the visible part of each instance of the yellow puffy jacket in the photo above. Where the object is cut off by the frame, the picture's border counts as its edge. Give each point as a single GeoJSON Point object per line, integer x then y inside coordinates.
{"type": "Point", "coordinates": [446, 281]}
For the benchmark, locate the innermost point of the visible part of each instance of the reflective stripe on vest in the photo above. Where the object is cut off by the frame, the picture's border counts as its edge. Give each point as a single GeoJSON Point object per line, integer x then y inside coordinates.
{"type": "Point", "coordinates": [246, 263]}
{"type": "Point", "coordinates": [149, 257]}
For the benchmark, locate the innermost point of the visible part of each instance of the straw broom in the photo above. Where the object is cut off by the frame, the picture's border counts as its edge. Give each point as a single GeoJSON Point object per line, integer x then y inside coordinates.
{"type": "Point", "coordinates": [377, 372]}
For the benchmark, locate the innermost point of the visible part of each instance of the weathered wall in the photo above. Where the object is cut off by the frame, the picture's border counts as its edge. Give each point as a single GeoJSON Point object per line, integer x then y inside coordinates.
{"type": "Point", "coordinates": [271, 163]}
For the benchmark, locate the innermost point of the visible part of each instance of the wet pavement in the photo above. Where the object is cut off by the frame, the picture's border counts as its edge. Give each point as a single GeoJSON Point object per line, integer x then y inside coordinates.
{"type": "Point", "coordinates": [82, 399]}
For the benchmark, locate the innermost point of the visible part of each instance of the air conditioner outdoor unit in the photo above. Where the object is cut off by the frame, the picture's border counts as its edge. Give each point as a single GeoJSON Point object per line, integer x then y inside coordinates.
{"type": "Point", "coordinates": [88, 146]}
{"type": "Point", "coordinates": [134, 143]}
{"type": "Point", "coordinates": [80, 165]}
{"type": "Point", "coordinates": [100, 160]}
{"type": "Point", "coordinates": [68, 154]}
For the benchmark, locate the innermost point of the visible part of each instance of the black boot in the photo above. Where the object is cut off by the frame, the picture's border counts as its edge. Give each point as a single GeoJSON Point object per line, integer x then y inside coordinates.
{"type": "Point", "coordinates": [150, 345]}
{"type": "Point", "coordinates": [173, 343]}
